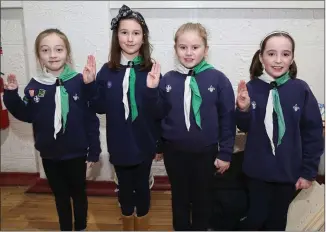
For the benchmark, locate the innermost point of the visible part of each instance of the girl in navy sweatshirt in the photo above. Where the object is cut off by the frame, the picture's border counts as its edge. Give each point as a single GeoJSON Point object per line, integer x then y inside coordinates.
{"type": "Point", "coordinates": [284, 129]}
{"type": "Point", "coordinates": [130, 130]}
{"type": "Point", "coordinates": [196, 103]}
{"type": "Point", "coordinates": [66, 132]}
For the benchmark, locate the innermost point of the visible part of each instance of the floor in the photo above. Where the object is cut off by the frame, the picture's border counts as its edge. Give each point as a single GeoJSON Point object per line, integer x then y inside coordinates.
{"type": "Point", "coordinates": [25, 211]}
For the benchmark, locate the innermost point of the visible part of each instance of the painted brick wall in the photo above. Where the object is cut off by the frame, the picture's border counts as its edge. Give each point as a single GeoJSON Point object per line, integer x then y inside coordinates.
{"type": "Point", "coordinates": [234, 36]}
{"type": "Point", "coordinates": [17, 151]}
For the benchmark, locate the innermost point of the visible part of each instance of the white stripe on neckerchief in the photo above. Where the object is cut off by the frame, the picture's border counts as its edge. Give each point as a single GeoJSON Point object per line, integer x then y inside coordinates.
{"type": "Point", "coordinates": [49, 79]}
{"type": "Point", "coordinates": [269, 110]}
{"type": "Point", "coordinates": [187, 93]}
{"type": "Point", "coordinates": [125, 85]}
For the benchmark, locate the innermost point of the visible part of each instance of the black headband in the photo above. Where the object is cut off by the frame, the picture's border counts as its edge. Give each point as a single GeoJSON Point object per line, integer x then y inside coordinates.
{"type": "Point", "coordinates": [126, 13]}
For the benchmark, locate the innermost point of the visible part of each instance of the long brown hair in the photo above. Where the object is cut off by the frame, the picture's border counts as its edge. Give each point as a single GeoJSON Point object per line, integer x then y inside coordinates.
{"type": "Point", "coordinates": [256, 67]}
{"type": "Point", "coordinates": [144, 51]}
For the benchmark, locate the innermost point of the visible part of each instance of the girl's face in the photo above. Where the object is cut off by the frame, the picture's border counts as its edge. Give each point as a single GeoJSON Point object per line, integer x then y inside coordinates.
{"type": "Point", "coordinates": [190, 49]}
{"type": "Point", "coordinates": [53, 54]}
{"type": "Point", "coordinates": [130, 35]}
{"type": "Point", "coordinates": [277, 56]}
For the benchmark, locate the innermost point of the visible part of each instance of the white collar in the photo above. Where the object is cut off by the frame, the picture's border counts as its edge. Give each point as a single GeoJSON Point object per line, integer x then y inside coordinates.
{"type": "Point", "coordinates": [181, 69]}
{"type": "Point", "coordinates": [123, 60]}
{"type": "Point", "coordinates": [265, 77]}
{"type": "Point", "coordinates": [46, 78]}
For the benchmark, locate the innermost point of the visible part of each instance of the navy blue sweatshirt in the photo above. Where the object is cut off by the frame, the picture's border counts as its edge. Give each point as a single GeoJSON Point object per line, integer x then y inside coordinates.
{"type": "Point", "coordinates": [217, 112]}
{"type": "Point", "coordinates": [128, 142]}
{"type": "Point", "coordinates": [302, 144]}
{"type": "Point", "coordinates": [81, 136]}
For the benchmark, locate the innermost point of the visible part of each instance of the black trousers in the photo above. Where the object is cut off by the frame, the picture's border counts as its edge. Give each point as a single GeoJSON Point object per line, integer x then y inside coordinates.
{"type": "Point", "coordinates": [230, 197]}
{"type": "Point", "coordinates": [268, 205]}
{"type": "Point", "coordinates": [67, 179]}
{"type": "Point", "coordinates": [134, 189]}
{"type": "Point", "coordinates": [190, 176]}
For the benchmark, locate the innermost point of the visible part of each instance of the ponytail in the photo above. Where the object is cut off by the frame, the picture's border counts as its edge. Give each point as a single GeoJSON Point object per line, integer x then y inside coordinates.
{"type": "Point", "coordinates": [256, 67]}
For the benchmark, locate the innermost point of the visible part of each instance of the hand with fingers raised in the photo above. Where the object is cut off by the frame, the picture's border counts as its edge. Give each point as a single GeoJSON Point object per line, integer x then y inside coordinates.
{"type": "Point", "coordinates": [153, 77]}
{"type": "Point", "coordinates": [89, 71]}
{"type": "Point", "coordinates": [12, 83]}
{"type": "Point", "coordinates": [243, 99]}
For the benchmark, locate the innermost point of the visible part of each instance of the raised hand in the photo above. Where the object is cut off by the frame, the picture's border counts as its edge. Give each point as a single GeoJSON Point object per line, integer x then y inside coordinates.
{"type": "Point", "coordinates": [89, 71]}
{"type": "Point", "coordinates": [12, 83]}
{"type": "Point", "coordinates": [243, 99]}
{"type": "Point", "coordinates": [153, 77]}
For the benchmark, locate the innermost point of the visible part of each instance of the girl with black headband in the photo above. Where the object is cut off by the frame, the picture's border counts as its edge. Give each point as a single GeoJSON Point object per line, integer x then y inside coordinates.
{"type": "Point", "coordinates": [131, 132]}
{"type": "Point", "coordinates": [280, 114]}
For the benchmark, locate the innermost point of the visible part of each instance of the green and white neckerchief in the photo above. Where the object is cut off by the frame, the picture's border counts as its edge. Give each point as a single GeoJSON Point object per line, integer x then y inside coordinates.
{"type": "Point", "coordinates": [274, 103]}
{"type": "Point", "coordinates": [129, 82]}
{"type": "Point", "coordinates": [191, 91]}
{"type": "Point", "coordinates": [61, 95]}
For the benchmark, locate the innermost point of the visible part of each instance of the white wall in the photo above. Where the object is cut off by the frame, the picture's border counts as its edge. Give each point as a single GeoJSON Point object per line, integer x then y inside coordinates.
{"type": "Point", "coordinates": [17, 151]}
{"type": "Point", "coordinates": [234, 36]}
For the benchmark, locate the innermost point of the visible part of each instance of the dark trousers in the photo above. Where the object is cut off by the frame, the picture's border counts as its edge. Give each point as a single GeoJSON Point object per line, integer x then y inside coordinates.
{"type": "Point", "coordinates": [230, 197]}
{"type": "Point", "coordinates": [268, 205]}
{"type": "Point", "coordinates": [190, 176]}
{"type": "Point", "coordinates": [134, 189]}
{"type": "Point", "coordinates": [67, 179]}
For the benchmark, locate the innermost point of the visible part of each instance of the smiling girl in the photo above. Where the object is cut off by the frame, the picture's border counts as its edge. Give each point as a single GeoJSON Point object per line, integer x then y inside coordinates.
{"type": "Point", "coordinates": [66, 131]}
{"type": "Point", "coordinates": [130, 130]}
{"type": "Point", "coordinates": [196, 104]}
{"type": "Point", "coordinates": [281, 117]}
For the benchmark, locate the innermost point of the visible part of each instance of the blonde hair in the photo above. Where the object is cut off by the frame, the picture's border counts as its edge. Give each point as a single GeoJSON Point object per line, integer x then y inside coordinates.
{"type": "Point", "coordinates": [197, 27]}
{"type": "Point", "coordinates": [47, 32]}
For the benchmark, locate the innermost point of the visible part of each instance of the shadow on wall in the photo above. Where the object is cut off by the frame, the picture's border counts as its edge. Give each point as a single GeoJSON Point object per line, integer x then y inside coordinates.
{"type": "Point", "coordinates": [4, 135]}
{"type": "Point", "coordinates": [22, 130]}
{"type": "Point", "coordinates": [19, 134]}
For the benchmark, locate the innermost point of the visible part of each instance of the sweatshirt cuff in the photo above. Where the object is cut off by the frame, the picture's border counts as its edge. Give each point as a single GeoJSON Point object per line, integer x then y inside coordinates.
{"type": "Point", "coordinates": [151, 92]}
{"type": "Point", "coordinates": [93, 158]}
{"type": "Point", "coordinates": [242, 113]}
{"type": "Point", "coordinates": [159, 148]}
{"type": "Point", "coordinates": [91, 88]}
{"type": "Point", "coordinates": [14, 91]}
{"type": "Point", "coordinates": [308, 176]}
{"type": "Point", "coordinates": [11, 96]}
{"type": "Point", "coordinates": [227, 157]}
